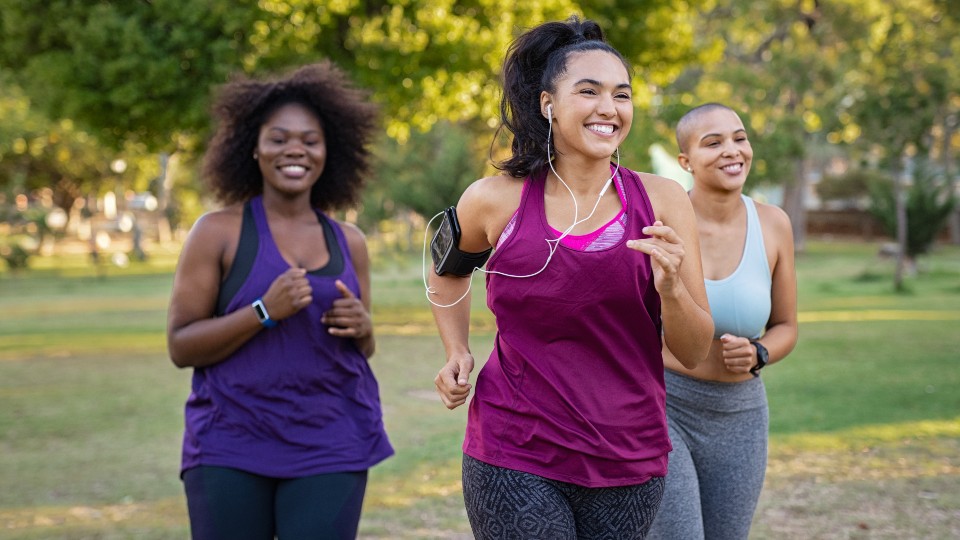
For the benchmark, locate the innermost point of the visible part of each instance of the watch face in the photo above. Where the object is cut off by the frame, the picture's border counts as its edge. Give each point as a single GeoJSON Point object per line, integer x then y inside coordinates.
{"type": "Point", "coordinates": [762, 353]}
{"type": "Point", "coordinates": [762, 356]}
{"type": "Point", "coordinates": [259, 310]}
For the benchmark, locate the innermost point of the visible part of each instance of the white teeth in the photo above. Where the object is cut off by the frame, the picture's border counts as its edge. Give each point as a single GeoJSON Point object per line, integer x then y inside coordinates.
{"type": "Point", "coordinates": [293, 169]}
{"type": "Point", "coordinates": [735, 168]}
{"type": "Point", "coordinates": [605, 128]}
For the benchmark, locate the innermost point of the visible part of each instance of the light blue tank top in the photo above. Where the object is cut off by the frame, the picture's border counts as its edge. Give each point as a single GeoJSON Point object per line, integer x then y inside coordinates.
{"type": "Point", "coordinates": [740, 302]}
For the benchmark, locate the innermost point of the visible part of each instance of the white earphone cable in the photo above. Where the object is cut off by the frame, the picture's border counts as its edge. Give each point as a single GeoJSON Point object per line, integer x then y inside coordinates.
{"type": "Point", "coordinates": [552, 244]}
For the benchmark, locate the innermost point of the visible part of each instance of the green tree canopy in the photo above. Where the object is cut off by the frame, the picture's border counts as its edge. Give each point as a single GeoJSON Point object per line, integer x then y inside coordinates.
{"type": "Point", "coordinates": [143, 69]}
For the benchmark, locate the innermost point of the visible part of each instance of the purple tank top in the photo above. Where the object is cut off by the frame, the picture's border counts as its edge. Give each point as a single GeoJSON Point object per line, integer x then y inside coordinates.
{"type": "Point", "coordinates": [573, 389]}
{"type": "Point", "coordinates": [293, 401]}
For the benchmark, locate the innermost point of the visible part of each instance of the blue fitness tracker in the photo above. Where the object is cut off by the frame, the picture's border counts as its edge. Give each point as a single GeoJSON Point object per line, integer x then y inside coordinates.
{"type": "Point", "coordinates": [262, 314]}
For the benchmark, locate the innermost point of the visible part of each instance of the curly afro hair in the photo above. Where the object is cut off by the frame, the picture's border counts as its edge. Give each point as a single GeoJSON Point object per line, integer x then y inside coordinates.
{"type": "Point", "coordinates": [243, 105]}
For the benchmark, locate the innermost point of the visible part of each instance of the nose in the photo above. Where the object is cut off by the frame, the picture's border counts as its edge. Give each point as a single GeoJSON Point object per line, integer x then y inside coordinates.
{"type": "Point", "coordinates": [607, 106]}
{"type": "Point", "coordinates": [294, 149]}
{"type": "Point", "coordinates": [730, 148]}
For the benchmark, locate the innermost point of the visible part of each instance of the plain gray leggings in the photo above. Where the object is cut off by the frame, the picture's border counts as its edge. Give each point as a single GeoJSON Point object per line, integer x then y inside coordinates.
{"type": "Point", "coordinates": [718, 461]}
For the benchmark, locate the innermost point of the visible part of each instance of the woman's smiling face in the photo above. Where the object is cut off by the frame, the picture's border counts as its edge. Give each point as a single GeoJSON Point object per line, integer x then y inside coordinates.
{"type": "Point", "coordinates": [718, 151]}
{"type": "Point", "coordinates": [592, 105]}
{"type": "Point", "coordinates": [291, 149]}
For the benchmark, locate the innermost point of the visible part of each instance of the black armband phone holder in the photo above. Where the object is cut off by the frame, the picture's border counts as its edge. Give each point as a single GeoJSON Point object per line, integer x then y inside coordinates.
{"type": "Point", "coordinates": [447, 257]}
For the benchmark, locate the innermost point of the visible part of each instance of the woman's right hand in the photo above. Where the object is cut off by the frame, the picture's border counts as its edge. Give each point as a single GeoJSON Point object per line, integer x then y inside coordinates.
{"type": "Point", "coordinates": [288, 294]}
{"type": "Point", "coordinates": [453, 381]}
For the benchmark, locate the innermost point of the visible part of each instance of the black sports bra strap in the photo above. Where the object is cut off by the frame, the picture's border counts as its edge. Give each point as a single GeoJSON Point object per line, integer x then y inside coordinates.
{"type": "Point", "coordinates": [242, 260]}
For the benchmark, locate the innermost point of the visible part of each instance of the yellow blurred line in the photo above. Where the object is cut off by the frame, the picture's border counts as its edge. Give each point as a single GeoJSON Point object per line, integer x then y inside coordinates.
{"type": "Point", "coordinates": [43, 517]}
{"type": "Point", "coordinates": [878, 315]}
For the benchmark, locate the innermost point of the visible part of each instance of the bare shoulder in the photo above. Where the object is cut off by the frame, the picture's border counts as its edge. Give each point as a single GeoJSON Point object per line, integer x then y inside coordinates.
{"type": "Point", "coordinates": [211, 245]}
{"type": "Point", "coordinates": [666, 195]}
{"type": "Point", "coordinates": [354, 235]}
{"type": "Point", "coordinates": [774, 219]}
{"type": "Point", "coordinates": [491, 192]}
{"type": "Point", "coordinates": [218, 225]}
{"type": "Point", "coordinates": [350, 229]}
{"type": "Point", "coordinates": [485, 208]}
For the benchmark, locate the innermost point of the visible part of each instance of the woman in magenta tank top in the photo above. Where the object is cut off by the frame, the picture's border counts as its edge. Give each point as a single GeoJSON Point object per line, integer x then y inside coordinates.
{"type": "Point", "coordinates": [271, 308]}
{"type": "Point", "coordinates": [593, 266]}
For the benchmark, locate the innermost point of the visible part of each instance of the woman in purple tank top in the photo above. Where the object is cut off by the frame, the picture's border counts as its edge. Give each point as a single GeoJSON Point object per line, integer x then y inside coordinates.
{"type": "Point", "coordinates": [594, 266]}
{"type": "Point", "coordinates": [271, 308]}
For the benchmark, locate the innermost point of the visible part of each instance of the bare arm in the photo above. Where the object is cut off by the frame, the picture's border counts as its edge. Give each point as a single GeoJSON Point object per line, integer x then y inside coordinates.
{"type": "Point", "coordinates": [782, 330]}
{"type": "Point", "coordinates": [196, 337]}
{"type": "Point", "coordinates": [674, 250]}
{"type": "Point", "coordinates": [483, 211]}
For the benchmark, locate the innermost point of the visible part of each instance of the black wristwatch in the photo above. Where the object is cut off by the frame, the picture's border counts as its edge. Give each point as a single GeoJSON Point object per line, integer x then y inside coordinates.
{"type": "Point", "coordinates": [762, 358]}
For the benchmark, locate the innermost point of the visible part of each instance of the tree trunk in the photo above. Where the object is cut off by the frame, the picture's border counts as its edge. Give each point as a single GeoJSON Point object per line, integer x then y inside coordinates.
{"type": "Point", "coordinates": [794, 204]}
{"type": "Point", "coordinates": [168, 165]}
{"type": "Point", "coordinates": [954, 224]}
{"type": "Point", "coordinates": [949, 125]}
{"type": "Point", "coordinates": [900, 200]}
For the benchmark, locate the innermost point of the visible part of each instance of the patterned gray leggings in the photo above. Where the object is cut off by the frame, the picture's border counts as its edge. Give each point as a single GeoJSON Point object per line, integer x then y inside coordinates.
{"type": "Point", "coordinates": [507, 504]}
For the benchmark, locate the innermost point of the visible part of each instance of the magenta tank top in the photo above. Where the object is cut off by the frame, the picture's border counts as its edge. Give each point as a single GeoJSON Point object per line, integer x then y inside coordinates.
{"type": "Point", "coordinates": [573, 389]}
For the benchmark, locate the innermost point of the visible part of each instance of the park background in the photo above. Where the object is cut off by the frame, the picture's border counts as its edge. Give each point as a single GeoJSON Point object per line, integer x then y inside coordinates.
{"type": "Point", "coordinates": [852, 107]}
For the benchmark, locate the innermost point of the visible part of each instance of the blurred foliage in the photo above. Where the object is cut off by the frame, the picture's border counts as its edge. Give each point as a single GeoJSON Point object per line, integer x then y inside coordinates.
{"type": "Point", "coordinates": [14, 254]}
{"type": "Point", "coordinates": [929, 201]}
{"type": "Point", "coordinates": [84, 82]}
{"type": "Point", "coordinates": [133, 78]}
{"type": "Point", "coordinates": [851, 185]}
{"type": "Point", "coordinates": [128, 71]}
{"type": "Point", "coordinates": [142, 70]}
{"type": "Point", "coordinates": [429, 172]}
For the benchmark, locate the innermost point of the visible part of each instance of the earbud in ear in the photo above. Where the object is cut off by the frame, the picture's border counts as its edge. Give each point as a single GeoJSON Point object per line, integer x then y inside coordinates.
{"type": "Point", "coordinates": [550, 111]}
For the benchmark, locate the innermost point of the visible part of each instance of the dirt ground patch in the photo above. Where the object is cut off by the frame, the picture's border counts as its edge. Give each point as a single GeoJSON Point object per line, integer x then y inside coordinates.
{"type": "Point", "coordinates": [906, 489]}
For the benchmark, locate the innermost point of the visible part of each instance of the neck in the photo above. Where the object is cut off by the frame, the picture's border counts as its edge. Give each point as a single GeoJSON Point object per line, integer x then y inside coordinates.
{"type": "Point", "coordinates": [283, 205]}
{"type": "Point", "coordinates": [715, 205]}
{"type": "Point", "coordinates": [581, 176]}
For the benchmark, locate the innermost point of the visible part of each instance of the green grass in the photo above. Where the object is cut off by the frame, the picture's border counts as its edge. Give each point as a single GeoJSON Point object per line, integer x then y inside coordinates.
{"type": "Point", "coordinates": [865, 414]}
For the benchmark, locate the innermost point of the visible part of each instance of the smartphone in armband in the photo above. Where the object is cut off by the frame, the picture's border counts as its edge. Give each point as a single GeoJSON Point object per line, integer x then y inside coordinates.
{"type": "Point", "coordinates": [445, 249]}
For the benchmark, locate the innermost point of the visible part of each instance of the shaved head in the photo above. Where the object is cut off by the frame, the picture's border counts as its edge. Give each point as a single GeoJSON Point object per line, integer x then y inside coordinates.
{"type": "Point", "coordinates": [687, 123]}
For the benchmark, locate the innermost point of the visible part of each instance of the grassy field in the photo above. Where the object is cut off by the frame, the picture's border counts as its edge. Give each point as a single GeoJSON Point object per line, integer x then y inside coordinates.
{"type": "Point", "coordinates": [865, 414]}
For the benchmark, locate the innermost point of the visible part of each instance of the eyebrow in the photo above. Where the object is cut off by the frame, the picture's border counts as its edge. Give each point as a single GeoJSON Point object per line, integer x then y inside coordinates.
{"type": "Point", "coordinates": [742, 130]}
{"type": "Point", "coordinates": [597, 83]}
{"type": "Point", "coordinates": [285, 130]}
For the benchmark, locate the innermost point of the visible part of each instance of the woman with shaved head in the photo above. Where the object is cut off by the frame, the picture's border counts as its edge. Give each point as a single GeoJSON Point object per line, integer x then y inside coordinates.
{"type": "Point", "coordinates": [717, 410]}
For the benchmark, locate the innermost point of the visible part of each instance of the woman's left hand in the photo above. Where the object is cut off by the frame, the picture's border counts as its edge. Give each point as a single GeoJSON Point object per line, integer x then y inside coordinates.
{"type": "Point", "coordinates": [739, 355]}
{"type": "Point", "coordinates": [348, 317]}
{"type": "Point", "coordinates": [666, 252]}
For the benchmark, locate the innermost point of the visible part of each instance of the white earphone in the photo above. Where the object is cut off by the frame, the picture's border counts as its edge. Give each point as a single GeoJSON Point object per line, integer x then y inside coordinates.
{"type": "Point", "coordinates": [552, 243]}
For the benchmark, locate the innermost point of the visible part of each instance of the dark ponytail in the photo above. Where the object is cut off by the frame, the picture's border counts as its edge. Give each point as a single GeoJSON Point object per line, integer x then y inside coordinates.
{"type": "Point", "coordinates": [534, 63]}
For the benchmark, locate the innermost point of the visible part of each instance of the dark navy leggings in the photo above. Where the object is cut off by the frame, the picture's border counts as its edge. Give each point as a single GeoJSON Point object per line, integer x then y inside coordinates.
{"type": "Point", "coordinates": [230, 504]}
